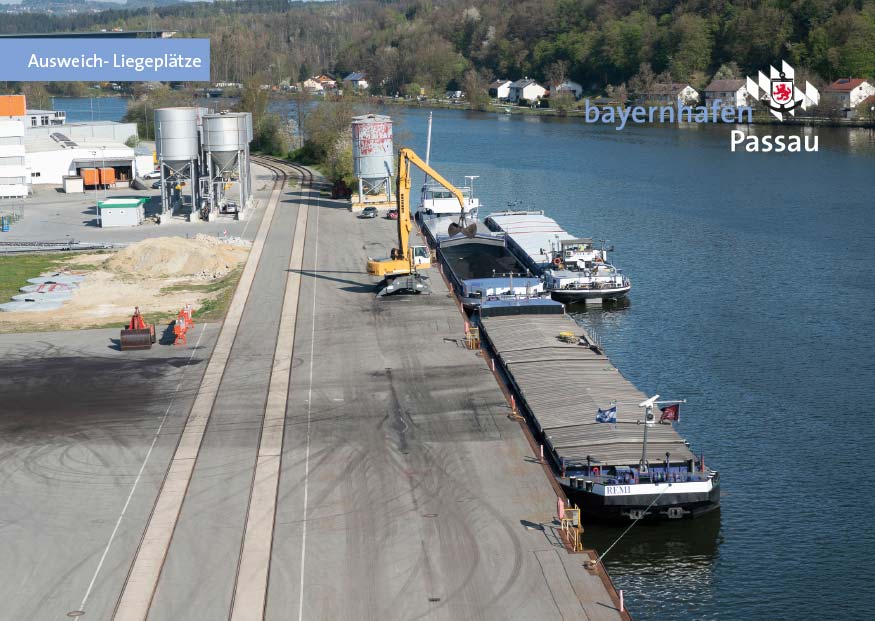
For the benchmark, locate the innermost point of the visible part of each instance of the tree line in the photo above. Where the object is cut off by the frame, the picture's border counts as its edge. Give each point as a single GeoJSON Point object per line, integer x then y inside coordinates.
{"type": "Point", "coordinates": [409, 45]}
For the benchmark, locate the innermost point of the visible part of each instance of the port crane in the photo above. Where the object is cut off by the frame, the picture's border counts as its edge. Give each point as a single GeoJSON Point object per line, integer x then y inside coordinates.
{"type": "Point", "coordinates": [400, 272]}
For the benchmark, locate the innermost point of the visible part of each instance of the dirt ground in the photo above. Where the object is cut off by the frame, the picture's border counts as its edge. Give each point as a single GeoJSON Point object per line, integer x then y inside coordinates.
{"type": "Point", "coordinates": [159, 275]}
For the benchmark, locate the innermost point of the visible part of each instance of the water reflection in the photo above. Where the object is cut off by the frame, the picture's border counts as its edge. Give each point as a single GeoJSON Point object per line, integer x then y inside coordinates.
{"type": "Point", "coordinates": [664, 568]}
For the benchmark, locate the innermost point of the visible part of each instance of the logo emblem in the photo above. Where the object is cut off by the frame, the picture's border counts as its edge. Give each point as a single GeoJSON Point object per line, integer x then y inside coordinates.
{"type": "Point", "coordinates": [779, 93]}
{"type": "Point", "coordinates": [782, 91]}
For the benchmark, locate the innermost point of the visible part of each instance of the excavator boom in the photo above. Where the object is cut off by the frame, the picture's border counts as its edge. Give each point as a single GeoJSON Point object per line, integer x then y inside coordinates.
{"type": "Point", "coordinates": [406, 157]}
{"type": "Point", "coordinates": [404, 260]}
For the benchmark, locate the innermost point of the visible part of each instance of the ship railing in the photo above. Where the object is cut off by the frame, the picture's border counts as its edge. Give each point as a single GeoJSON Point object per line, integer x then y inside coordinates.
{"type": "Point", "coordinates": [634, 479]}
{"type": "Point", "coordinates": [609, 282]}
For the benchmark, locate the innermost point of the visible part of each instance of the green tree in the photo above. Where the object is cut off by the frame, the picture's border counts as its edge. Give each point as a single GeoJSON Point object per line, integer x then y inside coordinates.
{"type": "Point", "coordinates": [476, 90]}
{"type": "Point", "coordinates": [690, 42]}
{"type": "Point", "coordinates": [253, 99]}
{"type": "Point", "coordinates": [37, 96]}
{"type": "Point", "coordinates": [728, 71]}
{"type": "Point", "coordinates": [324, 125]}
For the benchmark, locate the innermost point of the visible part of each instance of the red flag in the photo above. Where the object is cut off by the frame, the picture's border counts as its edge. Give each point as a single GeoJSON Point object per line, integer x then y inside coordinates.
{"type": "Point", "coordinates": [670, 413]}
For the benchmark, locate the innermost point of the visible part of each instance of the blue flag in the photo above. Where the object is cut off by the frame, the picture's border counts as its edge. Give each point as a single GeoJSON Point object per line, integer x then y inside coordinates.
{"type": "Point", "coordinates": [607, 416]}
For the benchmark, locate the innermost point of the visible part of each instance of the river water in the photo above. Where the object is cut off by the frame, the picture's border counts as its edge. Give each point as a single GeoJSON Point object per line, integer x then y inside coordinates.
{"type": "Point", "coordinates": [754, 299]}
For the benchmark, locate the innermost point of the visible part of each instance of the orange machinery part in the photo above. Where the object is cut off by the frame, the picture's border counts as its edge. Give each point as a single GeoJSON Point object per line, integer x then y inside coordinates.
{"type": "Point", "coordinates": [107, 176]}
{"type": "Point", "coordinates": [137, 321]}
{"type": "Point", "coordinates": [13, 105]}
{"type": "Point", "coordinates": [90, 176]}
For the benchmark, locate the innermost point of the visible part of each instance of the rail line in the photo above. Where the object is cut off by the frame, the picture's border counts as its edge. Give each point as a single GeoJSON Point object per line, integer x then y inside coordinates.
{"type": "Point", "coordinates": [135, 599]}
{"type": "Point", "coordinates": [253, 569]}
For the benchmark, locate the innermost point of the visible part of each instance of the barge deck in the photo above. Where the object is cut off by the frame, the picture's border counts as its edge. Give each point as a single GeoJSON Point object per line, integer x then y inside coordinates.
{"type": "Point", "coordinates": [561, 387]}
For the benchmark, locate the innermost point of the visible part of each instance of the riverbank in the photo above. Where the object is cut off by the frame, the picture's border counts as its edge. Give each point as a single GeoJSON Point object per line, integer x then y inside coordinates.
{"type": "Point", "coordinates": [760, 117]}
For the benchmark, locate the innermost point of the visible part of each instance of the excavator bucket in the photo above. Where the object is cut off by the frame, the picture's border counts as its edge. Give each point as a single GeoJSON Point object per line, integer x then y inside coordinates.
{"type": "Point", "coordinates": [137, 339]}
{"type": "Point", "coordinates": [138, 334]}
{"type": "Point", "coordinates": [455, 229]}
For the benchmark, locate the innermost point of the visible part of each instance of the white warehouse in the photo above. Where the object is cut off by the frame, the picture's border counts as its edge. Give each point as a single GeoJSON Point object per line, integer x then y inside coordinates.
{"type": "Point", "coordinates": [50, 159]}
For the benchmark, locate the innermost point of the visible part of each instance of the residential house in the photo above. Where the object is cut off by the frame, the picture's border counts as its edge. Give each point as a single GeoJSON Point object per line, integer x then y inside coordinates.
{"type": "Point", "coordinates": [526, 89]}
{"type": "Point", "coordinates": [312, 85]}
{"type": "Point", "coordinates": [568, 87]}
{"type": "Point", "coordinates": [848, 93]}
{"type": "Point", "coordinates": [670, 94]}
{"type": "Point", "coordinates": [731, 93]}
{"type": "Point", "coordinates": [328, 83]}
{"type": "Point", "coordinates": [356, 81]}
{"type": "Point", "coordinates": [500, 89]}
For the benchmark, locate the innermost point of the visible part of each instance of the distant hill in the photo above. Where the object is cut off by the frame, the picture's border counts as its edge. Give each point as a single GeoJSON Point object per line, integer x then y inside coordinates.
{"type": "Point", "coordinates": [438, 45]}
{"type": "Point", "coordinates": [62, 7]}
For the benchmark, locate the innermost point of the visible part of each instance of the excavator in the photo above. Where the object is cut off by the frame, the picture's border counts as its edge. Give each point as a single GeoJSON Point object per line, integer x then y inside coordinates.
{"type": "Point", "coordinates": [400, 272]}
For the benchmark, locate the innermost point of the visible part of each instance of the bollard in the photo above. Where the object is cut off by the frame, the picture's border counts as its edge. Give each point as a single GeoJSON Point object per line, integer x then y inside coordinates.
{"type": "Point", "coordinates": [512, 403]}
{"type": "Point", "coordinates": [542, 453]}
{"type": "Point", "coordinates": [622, 609]}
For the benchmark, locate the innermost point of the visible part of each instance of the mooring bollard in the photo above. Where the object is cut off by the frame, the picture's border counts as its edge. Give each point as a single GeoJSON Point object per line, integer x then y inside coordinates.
{"type": "Point", "coordinates": [542, 453]}
{"type": "Point", "coordinates": [493, 365]}
{"type": "Point", "coordinates": [622, 609]}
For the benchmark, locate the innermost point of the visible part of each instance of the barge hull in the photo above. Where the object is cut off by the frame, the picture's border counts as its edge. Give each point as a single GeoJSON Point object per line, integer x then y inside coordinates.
{"type": "Point", "coordinates": [667, 507]}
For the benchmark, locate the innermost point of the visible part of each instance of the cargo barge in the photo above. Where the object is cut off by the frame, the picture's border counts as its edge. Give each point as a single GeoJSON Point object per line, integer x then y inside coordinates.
{"type": "Point", "coordinates": [573, 268]}
{"type": "Point", "coordinates": [629, 467]}
{"type": "Point", "coordinates": [484, 274]}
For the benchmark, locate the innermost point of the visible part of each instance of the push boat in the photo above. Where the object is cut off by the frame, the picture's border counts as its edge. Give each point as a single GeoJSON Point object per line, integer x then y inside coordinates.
{"type": "Point", "coordinates": [573, 268]}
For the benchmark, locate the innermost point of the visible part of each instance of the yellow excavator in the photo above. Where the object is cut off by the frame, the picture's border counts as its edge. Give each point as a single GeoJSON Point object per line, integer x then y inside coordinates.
{"type": "Point", "coordinates": [400, 272]}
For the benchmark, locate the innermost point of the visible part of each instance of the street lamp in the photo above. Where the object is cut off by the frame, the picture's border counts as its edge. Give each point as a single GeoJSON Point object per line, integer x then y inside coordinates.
{"type": "Point", "coordinates": [96, 206]}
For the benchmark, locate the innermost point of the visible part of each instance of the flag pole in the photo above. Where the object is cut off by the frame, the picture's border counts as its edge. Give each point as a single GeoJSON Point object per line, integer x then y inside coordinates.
{"type": "Point", "coordinates": [648, 420]}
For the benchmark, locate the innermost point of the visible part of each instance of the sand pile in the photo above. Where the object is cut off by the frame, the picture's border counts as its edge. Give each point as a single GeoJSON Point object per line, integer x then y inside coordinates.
{"type": "Point", "coordinates": [202, 257]}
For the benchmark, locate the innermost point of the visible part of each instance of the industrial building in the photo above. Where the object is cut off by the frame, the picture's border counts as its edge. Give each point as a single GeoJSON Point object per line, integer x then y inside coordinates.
{"type": "Point", "coordinates": [14, 179]}
{"type": "Point", "coordinates": [204, 161]}
{"type": "Point", "coordinates": [38, 147]}
{"type": "Point", "coordinates": [43, 118]}
{"type": "Point", "coordinates": [51, 158]}
{"type": "Point", "coordinates": [203, 156]}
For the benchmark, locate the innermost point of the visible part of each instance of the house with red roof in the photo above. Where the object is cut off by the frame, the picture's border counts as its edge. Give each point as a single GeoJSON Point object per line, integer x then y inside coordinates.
{"type": "Point", "coordinates": [848, 93]}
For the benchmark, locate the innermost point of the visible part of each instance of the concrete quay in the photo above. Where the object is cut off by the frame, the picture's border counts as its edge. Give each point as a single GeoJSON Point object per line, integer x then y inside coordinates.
{"type": "Point", "coordinates": [327, 455]}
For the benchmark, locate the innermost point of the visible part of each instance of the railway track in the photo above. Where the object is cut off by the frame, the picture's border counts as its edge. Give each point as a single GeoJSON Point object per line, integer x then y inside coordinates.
{"type": "Point", "coordinates": [136, 598]}
{"type": "Point", "coordinates": [282, 167]}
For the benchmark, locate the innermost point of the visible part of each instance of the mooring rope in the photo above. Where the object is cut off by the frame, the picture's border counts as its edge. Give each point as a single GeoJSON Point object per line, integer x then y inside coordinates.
{"type": "Point", "coordinates": [635, 521]}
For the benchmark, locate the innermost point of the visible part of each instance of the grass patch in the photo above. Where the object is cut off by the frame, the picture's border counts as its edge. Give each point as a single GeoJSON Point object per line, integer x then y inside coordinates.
{"type": "Point", "coordinates": [85, 267]}
{"type": "Point", "coordinates": [17, 268]}
{"type": "Point", "coordinates": [215, 307]}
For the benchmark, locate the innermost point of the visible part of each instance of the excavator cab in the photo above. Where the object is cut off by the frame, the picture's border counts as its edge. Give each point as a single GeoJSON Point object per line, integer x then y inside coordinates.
{"type": "Point", "coordinates": [421, 257]}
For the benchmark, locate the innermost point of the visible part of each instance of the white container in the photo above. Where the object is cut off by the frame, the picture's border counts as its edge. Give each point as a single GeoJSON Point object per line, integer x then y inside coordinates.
{"type": "Point", "coordinates": [73, 185]}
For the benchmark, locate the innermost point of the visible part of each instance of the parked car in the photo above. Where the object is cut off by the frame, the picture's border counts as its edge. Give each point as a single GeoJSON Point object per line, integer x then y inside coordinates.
{"type": "Point", "coordinates": [392, 214]}
{"type": "Point", "coordinates": [155, 174]}
{"type": "Point", "coordinates": [369, 212]}
{"type": "Point", "coordinates": [156, 185]}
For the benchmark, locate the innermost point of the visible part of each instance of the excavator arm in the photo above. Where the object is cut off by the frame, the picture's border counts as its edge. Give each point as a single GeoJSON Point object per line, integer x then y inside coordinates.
{"type": "Point", "coordinates": [399, 272]}
{"type": "Point", "coordinates": [406, 157]}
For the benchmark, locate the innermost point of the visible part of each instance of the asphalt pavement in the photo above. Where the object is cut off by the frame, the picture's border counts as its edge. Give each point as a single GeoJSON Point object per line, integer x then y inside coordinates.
{"type": "Point", "coordinates": [404, 492]}
{"type": "Point", "coordinates": [78, 467]}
